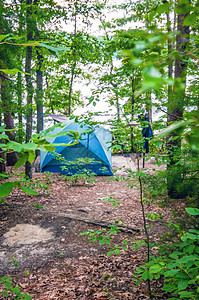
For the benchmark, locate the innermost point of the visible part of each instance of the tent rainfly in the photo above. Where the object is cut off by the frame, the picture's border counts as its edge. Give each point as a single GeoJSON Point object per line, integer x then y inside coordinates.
{"type": "Point", "coordinates": [93, 147]}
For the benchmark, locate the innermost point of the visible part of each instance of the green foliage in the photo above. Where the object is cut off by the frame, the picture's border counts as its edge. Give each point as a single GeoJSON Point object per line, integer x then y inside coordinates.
{"type": "Point", "coordinates": [190, 129]}
{"type": "Point", "coordinates": [9, 290]}
{"type": "Point", "coordinates": [112, 200]}
{"type": "Point", "coordinates": [81, 177]}
{"type": "Point", "coordinates": [104, 236]}
{"type": "Point", "coordinates": [178, 264]}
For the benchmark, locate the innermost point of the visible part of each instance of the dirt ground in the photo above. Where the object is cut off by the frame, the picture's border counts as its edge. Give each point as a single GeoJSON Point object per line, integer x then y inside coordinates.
{"type": "Point", "coordinates": [44, 253]}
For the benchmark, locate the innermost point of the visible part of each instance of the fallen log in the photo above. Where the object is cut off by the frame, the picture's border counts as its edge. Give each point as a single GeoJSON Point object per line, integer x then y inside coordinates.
{"type": "Point", "coordinates": [122, 228]}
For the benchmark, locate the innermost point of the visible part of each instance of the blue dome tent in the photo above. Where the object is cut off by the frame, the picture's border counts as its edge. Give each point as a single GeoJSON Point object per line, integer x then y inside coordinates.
{"type": "Point", "coordinates": [93, 147]}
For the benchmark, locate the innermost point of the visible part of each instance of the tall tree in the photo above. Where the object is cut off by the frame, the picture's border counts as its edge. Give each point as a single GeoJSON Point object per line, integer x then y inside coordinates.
{"type": "Point", "coordinates": [6, 97]}
{"type": "Point", "coordinates": [176, 107]}
{"type": "Point", "coordinates": [29, 106]}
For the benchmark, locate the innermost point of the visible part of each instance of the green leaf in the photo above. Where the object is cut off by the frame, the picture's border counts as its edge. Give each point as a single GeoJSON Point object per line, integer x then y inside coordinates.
{"type": "Point", "coordinates": [182, 284]}
{"type": "Point", "coordinates": [190, 19]}
{"type": "Point", "coordinates": [4, 136]}
{"type": "Point", "coordinates": [171, 273]}
{"type": "Point", "coordinates": [140, 46]}
{"type": "Point", "coordinates": [192, 211]}
{"type": "Point", "coordinates": [22, 158]}
{"type": "Point", "coordinates": [117, 251]}
{"type": "Point", "coordinates": [164, 8]}
{"type": "Point", "coordinates": [151, 72]}
{"type": "Point", "coordinates": [185, 294]}
{"type": "Point", "coordinates": [174, 126]}
{"type": "Point", "coordinates": [47, 148]}
{"type": "Point", "coordinates": [3, 37]}
{"type": "Point", "coordinates": [136, 62]}
{"type": "Point", "coordinates": [31, 156]}
{"type": "Point", "coordinates": [6, 188]}
{"type": "Point", "coordinates": [145, 275]}
{"type": "Point", "coordinates": [110, 252]}
{"type": "Point", "coordinates": [16, 290]}
{"type": "Point", "coordinates": [101, 242]}
{"type": "Point", "coordinates": [8, 284]}
{"type": "Point", "coordinates": [12, 71]}
{"type": "Point", "coordinates": [53, 48]}
{"type": "Point", "coordinates": [187, 258]}
{"type": "Point", "coordinates": [155, 269]}
{"type": "Point", "coordinates": [28, 190]}
{"type": "Point", "coordinates": [15, 146]}
{"type": "Point", "coordinates": [29, 146]}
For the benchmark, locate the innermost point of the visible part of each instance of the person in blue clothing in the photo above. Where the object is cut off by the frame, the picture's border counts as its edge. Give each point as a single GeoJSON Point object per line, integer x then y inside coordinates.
{"type": "Point", "coordinates": [146, 132]}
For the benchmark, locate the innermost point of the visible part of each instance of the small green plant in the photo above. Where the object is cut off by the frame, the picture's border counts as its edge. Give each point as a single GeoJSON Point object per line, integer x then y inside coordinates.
{"type": "Point", "coordinates": [112, 200]}
{"type": "Point", "coordinates": [12, 292]}
{"type": "Point", "coordinates": [83, 177]}
{"type": "Point", "coordinates": [15, 262]}
{"type": "Point", "coordinates": [35, 185]}
{"type": "Point", "coordinates": [104, 236]}
{"type": "Point", "coordinates": [38, 205]}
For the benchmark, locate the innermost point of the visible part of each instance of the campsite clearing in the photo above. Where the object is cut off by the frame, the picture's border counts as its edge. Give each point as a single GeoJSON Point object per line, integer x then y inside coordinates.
{"type": "Point", "coordinates": [65, 265]}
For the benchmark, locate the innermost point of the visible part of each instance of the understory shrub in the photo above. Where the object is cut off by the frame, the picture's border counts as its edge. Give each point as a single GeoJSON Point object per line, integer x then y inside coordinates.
{"type": "Point", "coordinates": [177, 263]}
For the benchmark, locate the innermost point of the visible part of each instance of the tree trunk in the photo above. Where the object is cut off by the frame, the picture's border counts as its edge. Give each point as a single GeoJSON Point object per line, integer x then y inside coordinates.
{"type": "Point", "coordinates": [132, 111]}
{"type": "Point", "coordinates": [2, 161]}
{"type": "Point", "coordinates": [6, 97]}
{"type": "Point", "coordinates": [8, 119]}
{"type": "Point", "coordinates": [39, 94]}
{"type": "Point", "coordinates": [176, 106]}
{"type": "Point", "coordinates": [73, 67]}
{"type": "Point", "coordinates": [19, 98]}
{"type": "Point", "coordinates": [19, 81]}
{"type": "Point", "coordinates": [28, 167]}
{"type": "Point", "coordinates": [71, 88]}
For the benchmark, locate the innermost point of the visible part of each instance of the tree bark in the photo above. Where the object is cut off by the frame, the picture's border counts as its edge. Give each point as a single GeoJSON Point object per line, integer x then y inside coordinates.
{"type": "Point", "coordinates": [132, 111]}
{"type": "Point", "coordinates": [29, 87]}
{"type": "Point", "coordinates": [2, 158]}
{"type": "Point", "coordinates": [19, 81]}
{"type": "Point", "coordinates": [6, 97]}
{"type": "Point", "coordinates": [19, 99]}
{"type": "Point", "coordinates": [39, 94]}
{"type": "Point", "coordinates": [8, 119]}
{"type": "Point", "coordinates": [176, 105]}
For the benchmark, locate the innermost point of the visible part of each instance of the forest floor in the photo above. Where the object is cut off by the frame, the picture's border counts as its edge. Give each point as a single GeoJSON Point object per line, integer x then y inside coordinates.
{"type": "Point", "coordinates": [40, 246]}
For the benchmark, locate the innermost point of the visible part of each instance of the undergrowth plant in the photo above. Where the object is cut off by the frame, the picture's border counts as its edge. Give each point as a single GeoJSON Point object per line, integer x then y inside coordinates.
{"type": "Point", "coordinates": [81, 177]}
{"type": "Point", "coordinates": [12, 291]}
{"type": "Point", "coordinates": [177, 263]}
{"type": "Point", "coordinates": [9, 289]}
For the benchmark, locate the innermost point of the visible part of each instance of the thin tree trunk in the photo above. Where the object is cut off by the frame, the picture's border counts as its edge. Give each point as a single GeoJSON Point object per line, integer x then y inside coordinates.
{"type": "Point", "coordinates": [50, 100]}
{"type": "Point", "coordinates": [39, 95]}
{"type": "Point", "coordinates": [2, 158]}
{"type": "Point", "coordinates": [132, 110]}
{"type": "Point", "coordinates": [149, 106]}
{"type": "Point", "coordinates": [19, 99]}
{"type": "Point", "coordinates": [72, 68]}
{"type": "Point", "coordinates": [39, 79]}
{"type": "Point", "coordinates": [28, 167]}
{"type": "Point", "coordinates": [71, 88]}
